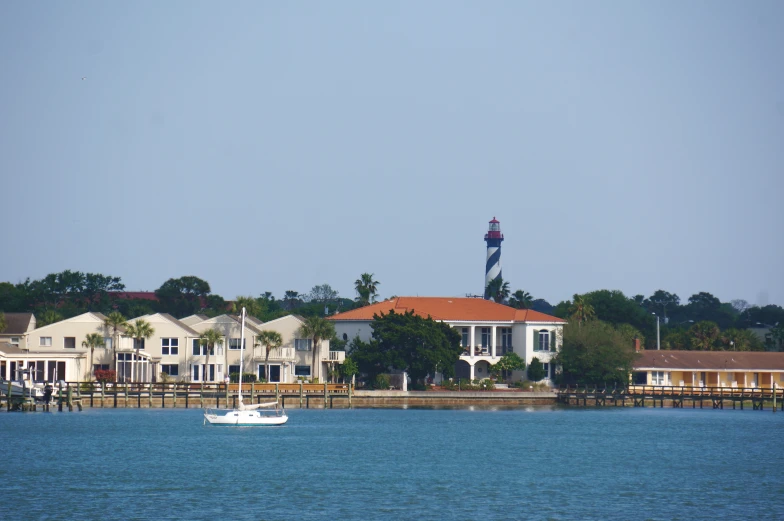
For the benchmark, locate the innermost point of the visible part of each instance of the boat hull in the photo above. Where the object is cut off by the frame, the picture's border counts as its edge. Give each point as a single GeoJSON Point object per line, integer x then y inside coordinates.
{"type": "Point", "coordinates": [235, 418]}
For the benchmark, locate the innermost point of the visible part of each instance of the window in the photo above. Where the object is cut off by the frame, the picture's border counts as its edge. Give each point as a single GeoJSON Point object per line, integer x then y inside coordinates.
{"type": "Point", "coordinates": [544, 341]}
{"type": "Point", "coordinates": [302, 370]}
{"type": "Point", "coordinates": [45, 341]}
{"type": "Point", "coordinates": [506, 340]}
{"type": "Point", "coordinates": [234, 344]}
{"type": "Point", "coordinates": [345, 337]}
{"type": "Point", "coordinates": [15, 340]}
{"type": "Point", "coordinates": [303, 344]}
{"type": "Point", "coordinates": [107, 342]}
{"type": "Point", "coordinates": [546, 368]}
{"type": "Point", "coordinates": [234, 369]}
{"type": "Point", "coordinates": [100, 367]}
{"type": "Point", "coordinates": [201, 350]}
{"type": "Point", "coordinates": [170, 346]}
{"type": "Point", "coordinates": [170, 369]}
{"type": "Point", "coordinates": [485, 338]}
{"type": "Point", "coordinates": [69, 342]}
{"type": "Point", "coordinates": [197, 371]}
{"type": "Point", "coordinates": [657, 377]}
{"type": "Point", "coordinates": [466, 340]}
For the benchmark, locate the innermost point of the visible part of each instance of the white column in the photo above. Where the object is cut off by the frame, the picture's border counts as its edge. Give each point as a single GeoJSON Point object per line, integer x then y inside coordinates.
{"type": "Point", "coordinates": [473, 346]}
{"type": "Point", "coordinates": [472, 371]}
{"type": "Point", "coordinates": [492, 342]}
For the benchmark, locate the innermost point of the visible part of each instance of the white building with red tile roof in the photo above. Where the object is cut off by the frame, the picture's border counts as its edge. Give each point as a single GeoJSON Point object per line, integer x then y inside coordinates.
{"type": "Point", "coordinates": [488, 330]}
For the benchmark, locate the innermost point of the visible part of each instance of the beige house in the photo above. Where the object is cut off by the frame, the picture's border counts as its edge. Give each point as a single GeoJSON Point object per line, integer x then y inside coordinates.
{"type": "Point", "coordinates": [166, 352]}
{"type": "Point", "coordinates": [293, 361]}
{"type": "Point", "coordinates": [55, 352]}
{"type": "Point", "coordinates": [17, 324]}
{"type": "Point", "coordinates": [740, 369]}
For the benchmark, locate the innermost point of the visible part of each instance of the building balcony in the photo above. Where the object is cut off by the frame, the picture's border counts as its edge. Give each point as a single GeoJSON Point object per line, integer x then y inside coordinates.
{"type": "Point", "coordinates": [336, 357]}
{"type": "Point", "coordinates": [485, 352]}
{"type": "Point", "coordinates": [279, 354]}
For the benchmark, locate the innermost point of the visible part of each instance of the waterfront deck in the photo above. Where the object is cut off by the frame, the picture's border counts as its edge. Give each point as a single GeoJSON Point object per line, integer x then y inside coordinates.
{"type": "Point", "coordinates": [673, 396]}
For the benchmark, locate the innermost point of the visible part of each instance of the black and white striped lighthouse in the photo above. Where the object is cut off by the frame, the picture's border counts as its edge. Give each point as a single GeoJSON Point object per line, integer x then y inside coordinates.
{"type": "Point", "coordinates": [493, 238]}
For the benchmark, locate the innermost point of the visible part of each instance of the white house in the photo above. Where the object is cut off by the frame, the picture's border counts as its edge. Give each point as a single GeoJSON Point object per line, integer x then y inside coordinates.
{"type": "Point", "coordinates": [488, 330]}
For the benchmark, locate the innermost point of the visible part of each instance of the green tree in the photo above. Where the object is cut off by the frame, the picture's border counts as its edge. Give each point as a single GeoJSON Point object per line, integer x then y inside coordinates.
{"type": "Point", "coordinates": [92, 340]}
{"type": "Point", "coordinates": [740, 340]}
{"type": "Point", "coordinates": [535, 370]}
{"type": "Point", "coordinates": [269, 340]}
{"type": "Point", "coordinates": [595, 352]}
{"type": "Point", "coordinates": [3, 323]}
{"type": "Point", "coordinates": [777, 335]}
{"type": "Point", "coordinates": [629, 333]}
{"type": "Point", "coordinates": [116, 322]}
{"type": "Point", "coordinates": [252, 306]}
{"type": "Point", "coordinates": [704, 336]}
{"type": "Point", "coordinates": [521, 299]}
{"type": "Point", "coordinates": [317, 328]}
{"type": "Point", "coordinates": [498, 290]}
{"type": "Point", "coordinates": [349, 369]}
{"type": "Point", "coordinates": [411, 343]}
{"type": "Point", "coordinates": [663, 301]}
{"type": "Point", "coordinates": [509, 362]}
{"type": "Point", "coordinates": [323, 294]}
{"type": "Point", "coordinates": [183, 296]}
{"type": "Point", "coordinates": [49, 316]}
{"type": "Point", "coordinates": [581, 310]}
{"type": "Point", "coordinates": [367, 289]}
{"type": "Point", "coordinates": [209, 339]}
{"type": "Point", "coordinates": [140, 330]}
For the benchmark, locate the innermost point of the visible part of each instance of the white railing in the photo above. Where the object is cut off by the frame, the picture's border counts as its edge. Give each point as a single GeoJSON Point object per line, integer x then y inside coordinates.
{"type": "Point", "coordinates": [277, 354]}
{"type": "Point", "coordinates": [335, 356]}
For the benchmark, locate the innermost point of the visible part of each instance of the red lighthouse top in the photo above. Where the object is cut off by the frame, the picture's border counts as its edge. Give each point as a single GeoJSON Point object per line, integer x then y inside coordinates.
{"type": "Point", "coordinates": [494, 230]}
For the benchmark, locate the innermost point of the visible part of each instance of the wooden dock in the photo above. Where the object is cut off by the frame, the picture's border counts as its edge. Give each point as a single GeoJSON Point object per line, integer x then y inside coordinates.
{"type": "Point", "coordinates": [186, 395]}
{"type": "Point", "coordinates": [673, 396]}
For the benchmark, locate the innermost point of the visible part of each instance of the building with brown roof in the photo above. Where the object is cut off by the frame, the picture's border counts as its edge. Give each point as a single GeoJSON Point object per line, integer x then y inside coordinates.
{"type": "Point", "coordinates": [488, 330]}
{"type": "Point", "coordinates": [16, 325]}
{"type": "Point", "coordinates": [709, 368]}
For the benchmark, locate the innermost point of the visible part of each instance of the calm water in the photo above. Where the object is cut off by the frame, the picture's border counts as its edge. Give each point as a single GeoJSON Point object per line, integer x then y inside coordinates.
{"type": "Point", "coordinates": [396, 464]}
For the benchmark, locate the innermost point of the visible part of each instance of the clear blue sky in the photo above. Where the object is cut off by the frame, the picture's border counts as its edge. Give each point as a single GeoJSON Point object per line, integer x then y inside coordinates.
{"type": "Point", "coordinates": [280, 145]}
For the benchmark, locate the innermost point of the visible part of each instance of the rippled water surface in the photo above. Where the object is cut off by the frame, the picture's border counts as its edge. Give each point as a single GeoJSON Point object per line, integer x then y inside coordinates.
{"type": "Point", "coordinates": [396, 464]}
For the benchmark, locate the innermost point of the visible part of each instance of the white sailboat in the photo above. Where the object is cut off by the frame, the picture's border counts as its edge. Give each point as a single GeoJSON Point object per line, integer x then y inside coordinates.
{"type": "Point", "coordinates": [256, 415]}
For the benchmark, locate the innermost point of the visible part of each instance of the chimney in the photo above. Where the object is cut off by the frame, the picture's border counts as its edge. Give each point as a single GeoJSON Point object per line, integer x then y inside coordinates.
{"type": "Point", "coordinates": [637, 345]}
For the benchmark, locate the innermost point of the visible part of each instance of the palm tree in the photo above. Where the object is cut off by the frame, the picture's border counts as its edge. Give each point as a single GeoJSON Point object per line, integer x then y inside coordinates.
{"type": "Point", "coordinates": [581, 310]}
{"type": "Point", "coordinates": [115, 321]}
{"type": "Point", "coordinates": [209, 338]}
{"type": "Point", "coordinates": [270, 340]}
{"type": "Point", "coordinates": [521, 299]}
{"type": "Point", "coordinates": [704, 335]}
{"type": "Point", "coordinates": [251, 305]}
{"type": "Point", "coordinates": [140, 330]}
{"type": "Point", "coordinates": [92, 340]}
{"type": "Point", "coordinates": [497, 289]}
{"type": "Point", "coordinates": [318, 329]}
{"type": "Point", "coordinates": [367, 288]}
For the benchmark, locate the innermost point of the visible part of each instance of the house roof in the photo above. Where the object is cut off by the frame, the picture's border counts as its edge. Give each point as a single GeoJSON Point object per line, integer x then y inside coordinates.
{"type": "Point", "coordinates": [10, 349]}
{"type": "Point", "coordinates": [16, 323]}
{"type": "Point", "coordinates": [710, 360]}
{"type": "Point", "coordinates": [182, 325]}
{"type": "Point", "coordinates": [448, 309]}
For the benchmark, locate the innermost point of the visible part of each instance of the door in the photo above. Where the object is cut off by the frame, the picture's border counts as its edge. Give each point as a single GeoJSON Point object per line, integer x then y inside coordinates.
{"type": "Point", "coordinates": [274, 374]}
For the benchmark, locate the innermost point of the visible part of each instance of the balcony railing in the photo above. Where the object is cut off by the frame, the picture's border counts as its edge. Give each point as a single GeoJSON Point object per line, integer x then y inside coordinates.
{"type": "Point", "coordinates": [278, 354]}
{"type": "Point", "coordinates": [335, 356]}
{"type": "Point", "coordinates": [487, 351]}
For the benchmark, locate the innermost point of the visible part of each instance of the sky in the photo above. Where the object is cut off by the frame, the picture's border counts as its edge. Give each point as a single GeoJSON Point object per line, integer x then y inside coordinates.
{"type": "Point", "coordinates": [273, 146]}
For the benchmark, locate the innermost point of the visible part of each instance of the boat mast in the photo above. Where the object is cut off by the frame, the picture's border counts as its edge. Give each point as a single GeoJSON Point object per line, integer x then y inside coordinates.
{"type": "Point", "coordinates": [242, 351]}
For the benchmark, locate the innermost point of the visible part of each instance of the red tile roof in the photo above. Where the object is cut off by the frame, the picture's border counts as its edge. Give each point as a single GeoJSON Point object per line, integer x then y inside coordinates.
{"type": "Point", "coordinates": [710, 360]}
{"type": "Point", "coordinates": [448, 309]}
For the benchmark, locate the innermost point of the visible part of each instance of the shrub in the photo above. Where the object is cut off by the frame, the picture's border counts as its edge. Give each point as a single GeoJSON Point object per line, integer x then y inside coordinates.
{"type": "Point", "coordinates": [246, 377]}
{"type": "Point", "coordinates": [381, 382]}
{"type": "Point", "coordinates": [105, 375]}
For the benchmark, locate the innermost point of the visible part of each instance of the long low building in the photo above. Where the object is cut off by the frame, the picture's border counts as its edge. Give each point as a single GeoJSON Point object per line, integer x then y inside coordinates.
{"type": "Point", "coordinates": [740, 369]}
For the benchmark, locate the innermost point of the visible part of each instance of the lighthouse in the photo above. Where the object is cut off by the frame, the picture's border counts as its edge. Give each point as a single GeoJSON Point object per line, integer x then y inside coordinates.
{"type": "Point", "coordinates": [493, 238]}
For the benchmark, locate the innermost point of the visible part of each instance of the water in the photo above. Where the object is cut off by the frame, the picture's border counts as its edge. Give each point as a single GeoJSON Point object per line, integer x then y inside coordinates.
{"type": "Point", "coordinates": [360, 464]}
